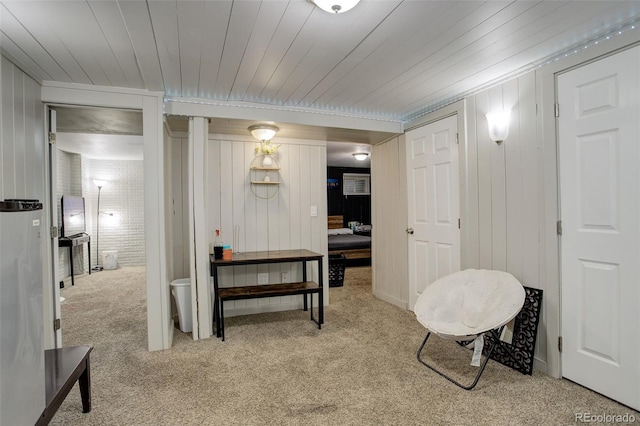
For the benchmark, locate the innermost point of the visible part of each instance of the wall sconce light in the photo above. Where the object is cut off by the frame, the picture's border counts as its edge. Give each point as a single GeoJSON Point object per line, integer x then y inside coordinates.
{"type": "Point", "coordinates": [336, 6]}
{"type": "Point", "coordinates": [498, 125]}
{"type": "Point", "coordinates": [360, 156]}
{"type": "Point", "coordinates": [263, 132]}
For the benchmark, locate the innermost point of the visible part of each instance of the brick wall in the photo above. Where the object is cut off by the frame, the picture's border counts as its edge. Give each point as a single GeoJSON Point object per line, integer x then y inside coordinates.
{"type": "Point", "coordinates": [122, 196]}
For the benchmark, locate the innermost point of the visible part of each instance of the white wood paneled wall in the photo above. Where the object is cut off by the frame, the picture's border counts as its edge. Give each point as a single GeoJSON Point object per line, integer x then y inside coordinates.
{"type": "Point", "coordinates": [389, 219]}
{"type": "Point", "coordinates": [504, 182]}
{"type": "Point", "coordinates": [279, 223]}
{"type": "Point", "coordinates": [22, 156]}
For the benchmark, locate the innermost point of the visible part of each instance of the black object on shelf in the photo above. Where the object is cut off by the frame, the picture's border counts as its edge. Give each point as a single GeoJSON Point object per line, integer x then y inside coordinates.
{"type": "Point", "coordinates": [337, 263]}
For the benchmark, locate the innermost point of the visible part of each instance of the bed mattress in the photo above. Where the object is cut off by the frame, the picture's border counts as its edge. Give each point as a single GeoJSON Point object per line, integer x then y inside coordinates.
{"type": "Point", "coordinates": [349, 241]}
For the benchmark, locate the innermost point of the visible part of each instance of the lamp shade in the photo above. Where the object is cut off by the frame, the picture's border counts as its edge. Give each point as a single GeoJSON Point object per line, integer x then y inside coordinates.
{"type": "Point", "coordinates": [99, 183]}
{"type": "Point", "coordinates": [263, 132]}
{"type": "Point", "coordinates": [336, 6]}
{"type": "Point", "coordinates": [498, 125]}
{"type": "Point", "coordinates": [361, 156]}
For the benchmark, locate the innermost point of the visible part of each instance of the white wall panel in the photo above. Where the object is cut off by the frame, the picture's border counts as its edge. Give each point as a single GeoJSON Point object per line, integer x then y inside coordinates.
{"type": "Point", "coordinates": [503, 203]}
{"type": "Point", "coordinates": [277, 223]}
{"type": "Point", "coordinates": [22, 153]}
{"type": "Point", "coordinates": [22, 147]}
{"type": "Point", "coordinates": [389, 219]}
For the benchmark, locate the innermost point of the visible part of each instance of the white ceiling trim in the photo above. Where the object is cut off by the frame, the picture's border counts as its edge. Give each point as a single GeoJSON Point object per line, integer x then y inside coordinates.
{"type": "Point", "coordinates": [193, 107]}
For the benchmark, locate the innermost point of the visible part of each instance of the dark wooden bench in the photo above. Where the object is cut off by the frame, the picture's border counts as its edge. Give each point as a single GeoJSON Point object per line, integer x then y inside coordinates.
{"type": "Point", "coordinates": [304, 288]}
{"type": "Point", "coordinates": [63, 367]}
{"type": "Point", "coordinates": [270, 290]}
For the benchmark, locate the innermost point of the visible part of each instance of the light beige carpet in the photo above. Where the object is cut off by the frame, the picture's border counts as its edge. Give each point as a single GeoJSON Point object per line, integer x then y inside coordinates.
{"type": "Point", "coordinates": [278, 368]}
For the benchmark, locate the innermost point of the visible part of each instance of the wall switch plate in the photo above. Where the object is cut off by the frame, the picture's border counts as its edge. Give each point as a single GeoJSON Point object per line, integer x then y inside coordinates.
{"type": "Point", "coordinates": [314, 211]}
{"type": "Point", "coordinates": [285, 277]}
{"type": "Point", "coordinates": [263, 278]}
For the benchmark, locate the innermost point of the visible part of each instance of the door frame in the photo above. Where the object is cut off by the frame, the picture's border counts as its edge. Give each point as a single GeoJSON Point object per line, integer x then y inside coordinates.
{"type": "Point", "coordinates": [159, 323]}
{"type": "Point", "coordinates": [547, 131]}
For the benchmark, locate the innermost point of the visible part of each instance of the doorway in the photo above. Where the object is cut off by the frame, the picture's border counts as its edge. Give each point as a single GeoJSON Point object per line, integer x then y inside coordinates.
{"type": "Point", "coordinates": [599, 162]}
{"type": "Point", "coordinates": [96, 162]}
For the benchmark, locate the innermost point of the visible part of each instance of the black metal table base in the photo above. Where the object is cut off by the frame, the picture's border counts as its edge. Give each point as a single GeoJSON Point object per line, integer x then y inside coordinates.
{"type": "Point", "coordinates": [495, 343]}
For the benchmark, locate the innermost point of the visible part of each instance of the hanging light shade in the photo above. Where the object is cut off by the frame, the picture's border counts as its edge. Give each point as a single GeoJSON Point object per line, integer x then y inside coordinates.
{"type": "Point", "coordinates": [263, 132]}
{"type": "Point", "coordinates": [336, 6]}
{"type": "Point", "coordinates": [360, 156]}
{"type": "Point", "coordinates": [99, 183]}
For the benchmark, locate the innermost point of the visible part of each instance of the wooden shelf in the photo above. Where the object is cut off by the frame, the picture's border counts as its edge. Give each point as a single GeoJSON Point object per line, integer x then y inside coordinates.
{"type": "Point", "coordinates": [270, 290]}
{"type": "Point", "coordinates": [262, 182]}
{"type": "Point", "coordinates": [265, 168]}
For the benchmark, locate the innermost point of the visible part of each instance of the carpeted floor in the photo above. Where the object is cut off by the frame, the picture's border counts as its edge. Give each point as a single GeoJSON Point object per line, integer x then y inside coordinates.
{"type": "Point", "coordinates": [278, 368]}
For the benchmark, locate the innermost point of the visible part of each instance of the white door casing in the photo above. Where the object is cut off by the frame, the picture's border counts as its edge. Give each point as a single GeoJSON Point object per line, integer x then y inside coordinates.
{"type": "Point", "coordinates": [434, 204]}
{"type": "Point", "coordinates": [53, 212]}
{"type": "Point", "coordinates": [600, 210]}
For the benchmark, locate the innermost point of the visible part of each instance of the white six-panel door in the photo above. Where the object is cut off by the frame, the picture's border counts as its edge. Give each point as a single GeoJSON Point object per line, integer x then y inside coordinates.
{"type": "Point", "coordinates": [599, 152]}
{"type": "Point", "coordinates": [434, 204]}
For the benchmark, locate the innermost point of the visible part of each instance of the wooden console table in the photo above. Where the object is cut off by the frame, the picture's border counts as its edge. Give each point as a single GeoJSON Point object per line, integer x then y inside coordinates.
{"type": "Point", "coordinates": [72, 242]}
{"type": "Point", "coordinates": [270, 290]}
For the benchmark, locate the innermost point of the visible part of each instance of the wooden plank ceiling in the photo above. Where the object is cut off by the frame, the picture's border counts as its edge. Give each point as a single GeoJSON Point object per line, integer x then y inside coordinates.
{"type": "Point", "coordinates": [386, 59]}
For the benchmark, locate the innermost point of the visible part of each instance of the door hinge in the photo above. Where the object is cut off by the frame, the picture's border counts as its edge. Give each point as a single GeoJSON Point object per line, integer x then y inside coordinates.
{"type": "Point", "coordinates": [56, 324]}
{"type": "Point", "coordinates": [557, 109]}
{"type": "Point", "coordinates": [457, 138]}
{"type": "Point", "coordinates": [559, 227]}
{"type": "Point", "coordinates": [560, 343]}
{"type": "Point", "coordinates": [54, 231]}
{"type": "Point", "coordinates": [52, 138]}
{"type": "Point", "coordinates": [458, 223]}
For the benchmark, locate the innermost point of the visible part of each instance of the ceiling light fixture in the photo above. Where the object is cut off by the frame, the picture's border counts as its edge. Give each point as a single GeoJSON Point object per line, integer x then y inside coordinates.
{"type": "Point", "coordinates": [360, 156]}
{"type": "Point", "coordinates": [336, 6]}
{"type": "Point", "coordinates": [263, 132]}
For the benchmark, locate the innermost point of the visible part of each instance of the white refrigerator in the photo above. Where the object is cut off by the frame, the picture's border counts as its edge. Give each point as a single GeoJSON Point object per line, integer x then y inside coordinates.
{"type": "Point", "coordinates": [22, 375]}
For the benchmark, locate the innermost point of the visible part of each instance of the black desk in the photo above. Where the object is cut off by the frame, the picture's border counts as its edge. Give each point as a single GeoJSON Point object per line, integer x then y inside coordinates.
{"type": "Point", "coordinates": [71, 242]}
{"type": "Point", "coordinates": [270, 290]}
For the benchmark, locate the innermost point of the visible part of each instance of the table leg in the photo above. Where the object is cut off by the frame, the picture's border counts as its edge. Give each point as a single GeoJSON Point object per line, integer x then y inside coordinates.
{"type": "Point", "coordinates": [71, 262]}
{"type": "Point", "coordinates": [89, 254]}
{"type": "Point", "coordinates": [84, 382]}
{"type": "Point", "coordinates": [216, 301]}
{"type": "Point", "coordinates": [320, 294]}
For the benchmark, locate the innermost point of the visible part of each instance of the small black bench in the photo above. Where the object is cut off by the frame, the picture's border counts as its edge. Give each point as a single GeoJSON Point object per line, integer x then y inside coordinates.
{"type": "Point", "coordinates": [63, 367]}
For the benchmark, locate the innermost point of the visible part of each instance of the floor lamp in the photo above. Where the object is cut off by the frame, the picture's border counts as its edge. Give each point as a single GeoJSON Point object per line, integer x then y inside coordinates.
{"type": "Point", "coordinates": [98, 267]}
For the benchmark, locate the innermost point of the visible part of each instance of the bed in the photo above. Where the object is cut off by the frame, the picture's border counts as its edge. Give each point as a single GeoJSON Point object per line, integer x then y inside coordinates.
{"type": "Point", "coordinates": [343, 241]}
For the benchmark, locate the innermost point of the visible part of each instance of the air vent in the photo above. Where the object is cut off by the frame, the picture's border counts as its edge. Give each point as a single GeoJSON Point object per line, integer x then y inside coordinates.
{"type": "Point", "coordinates": [356, 184]}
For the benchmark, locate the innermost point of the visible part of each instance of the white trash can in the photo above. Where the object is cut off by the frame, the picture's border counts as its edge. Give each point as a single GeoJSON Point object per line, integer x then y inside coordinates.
{"type": "Point", "coordinates": [181, 290]}
{"type": "Point", "coordinates": [110, 259]}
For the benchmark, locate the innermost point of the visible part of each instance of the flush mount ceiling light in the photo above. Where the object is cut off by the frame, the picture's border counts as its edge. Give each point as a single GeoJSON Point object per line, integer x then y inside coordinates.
{"type": "Point", "coordinates": [360, 156]}
{"type": "Point", "coordinates": [498, 125]}
{"type": "Point", "coordinates": [263, 132]}
{"type": "Point", "coordinates": [335, 6]}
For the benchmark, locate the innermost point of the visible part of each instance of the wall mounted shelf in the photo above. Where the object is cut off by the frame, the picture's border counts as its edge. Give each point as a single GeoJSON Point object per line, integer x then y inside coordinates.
{"type": "Point", "coordinates": [265, 176]}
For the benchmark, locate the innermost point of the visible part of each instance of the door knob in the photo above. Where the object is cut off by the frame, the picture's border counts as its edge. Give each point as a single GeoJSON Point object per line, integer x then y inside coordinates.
{"type": "Point", "coordinates": [409, 231]}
